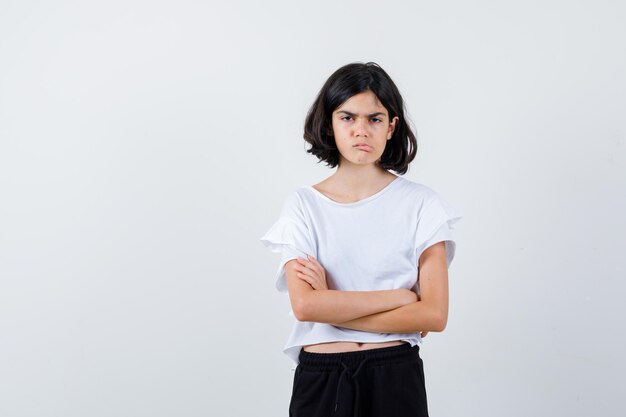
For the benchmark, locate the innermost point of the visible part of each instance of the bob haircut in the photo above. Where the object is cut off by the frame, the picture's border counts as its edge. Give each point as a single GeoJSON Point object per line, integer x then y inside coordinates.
{"type": "Point", "coordinates": [344, 83]}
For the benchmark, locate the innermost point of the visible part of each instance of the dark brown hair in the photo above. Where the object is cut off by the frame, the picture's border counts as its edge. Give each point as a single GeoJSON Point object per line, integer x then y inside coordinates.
{"type": "Point", "coordinates": [344, 83]}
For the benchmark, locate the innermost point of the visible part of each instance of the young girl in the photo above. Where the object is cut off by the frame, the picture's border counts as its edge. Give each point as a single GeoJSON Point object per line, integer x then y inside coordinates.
{"type": "Point", "coordinates": [365, 256]}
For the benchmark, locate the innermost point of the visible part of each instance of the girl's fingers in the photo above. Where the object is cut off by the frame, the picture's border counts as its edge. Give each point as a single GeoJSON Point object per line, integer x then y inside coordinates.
{"type": "Point", "coordinates": [314, 262]}
{"type": "Point", "coordinates": [310, 280]}
{"type": "Point", "coordinates": [304, 268]}
{"type": "Point", "coordinates": [304, 277]}
{"type": "Point", "coordinates": [309, 265]}
{"type": "Point", "coordinates": [306, 272]}
{"type": "Point", "coordinates": [314, 271]}
{"type": "Point", "coordinates": [316, 266]}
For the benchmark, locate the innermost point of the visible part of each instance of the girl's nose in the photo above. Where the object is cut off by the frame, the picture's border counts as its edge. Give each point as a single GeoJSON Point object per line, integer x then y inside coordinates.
{"type": "Point", "coordinates": [360, 127]}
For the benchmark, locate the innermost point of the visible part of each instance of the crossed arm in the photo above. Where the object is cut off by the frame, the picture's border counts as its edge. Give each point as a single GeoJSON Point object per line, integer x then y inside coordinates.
{"type": "Point", "coordinates": [386, 311]}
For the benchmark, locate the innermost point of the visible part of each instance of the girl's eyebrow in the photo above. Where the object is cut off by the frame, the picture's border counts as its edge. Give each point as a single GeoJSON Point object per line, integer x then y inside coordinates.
{"type": "Point", "coordinates": [354, 114]}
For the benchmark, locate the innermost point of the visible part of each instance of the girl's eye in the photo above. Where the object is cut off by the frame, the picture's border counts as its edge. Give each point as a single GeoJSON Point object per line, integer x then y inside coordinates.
{"type": "Point", "coordinates": [346, 117]}
{"type": "Point", "coordinates": [376, 119]}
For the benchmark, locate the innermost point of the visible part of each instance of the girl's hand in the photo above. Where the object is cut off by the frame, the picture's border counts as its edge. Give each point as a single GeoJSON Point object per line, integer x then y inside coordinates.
{"type": "Point", "coordinates": [312, 272]}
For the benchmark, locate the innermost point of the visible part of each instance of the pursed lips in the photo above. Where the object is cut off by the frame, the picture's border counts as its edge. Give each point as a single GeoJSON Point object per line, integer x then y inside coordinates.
{"type": "Point", "coordinates": [363, 146]}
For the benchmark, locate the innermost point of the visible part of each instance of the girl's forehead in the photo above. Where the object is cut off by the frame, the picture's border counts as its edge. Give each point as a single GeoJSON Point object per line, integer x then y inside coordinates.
{"type": "Point", "coordinates": [365, 101]}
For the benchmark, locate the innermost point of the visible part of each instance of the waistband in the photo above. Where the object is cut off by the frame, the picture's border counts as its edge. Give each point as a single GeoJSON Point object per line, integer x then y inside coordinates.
{"type": "Point", "coordinates": [374, 356]}
{"type": "Point", "coordinates": [351, 363]}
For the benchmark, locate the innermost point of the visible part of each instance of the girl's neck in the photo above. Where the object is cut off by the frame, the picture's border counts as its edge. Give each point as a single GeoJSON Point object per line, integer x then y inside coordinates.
{"type": "Point", "coordinates": [360, 180]}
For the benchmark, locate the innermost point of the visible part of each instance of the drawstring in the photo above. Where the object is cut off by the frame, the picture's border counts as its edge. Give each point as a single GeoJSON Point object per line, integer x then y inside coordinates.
{"type": "Point", "coordinates": [345, 371]}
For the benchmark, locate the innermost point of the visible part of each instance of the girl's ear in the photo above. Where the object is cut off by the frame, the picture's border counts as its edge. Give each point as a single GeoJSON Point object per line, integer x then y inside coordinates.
{"type": "Point", "coordinates": [392, 127]}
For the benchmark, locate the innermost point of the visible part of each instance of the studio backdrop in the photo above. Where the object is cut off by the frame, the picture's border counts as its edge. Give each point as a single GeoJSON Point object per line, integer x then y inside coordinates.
{"type": "Point", "coordinates": [145, 147]}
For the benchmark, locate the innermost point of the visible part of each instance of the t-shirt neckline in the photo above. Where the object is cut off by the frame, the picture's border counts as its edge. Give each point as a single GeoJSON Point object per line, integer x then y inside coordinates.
{"type": "Point", "coordinates": [355, 203]}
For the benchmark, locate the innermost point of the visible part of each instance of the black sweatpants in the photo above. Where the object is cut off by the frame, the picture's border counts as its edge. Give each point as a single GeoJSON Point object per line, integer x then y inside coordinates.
{"type": "Point", "coordinates": [383, 382]}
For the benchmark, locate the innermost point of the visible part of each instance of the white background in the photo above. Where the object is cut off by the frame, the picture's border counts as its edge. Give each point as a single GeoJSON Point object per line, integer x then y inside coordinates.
{"type": "Point", "coordinates": [145, 147]}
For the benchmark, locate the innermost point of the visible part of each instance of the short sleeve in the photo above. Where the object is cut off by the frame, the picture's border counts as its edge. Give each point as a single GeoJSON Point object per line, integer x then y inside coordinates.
{"type": "Point", "coordinates": [289, 236]}
{"type": "Point", "coordinates": [436, 224]}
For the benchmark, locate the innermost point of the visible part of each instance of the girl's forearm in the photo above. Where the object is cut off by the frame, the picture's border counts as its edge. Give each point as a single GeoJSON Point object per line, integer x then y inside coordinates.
{"type": "Point", "coordinates": [410, 318]}
{"type": "Point", "coordinates": [333, 306]}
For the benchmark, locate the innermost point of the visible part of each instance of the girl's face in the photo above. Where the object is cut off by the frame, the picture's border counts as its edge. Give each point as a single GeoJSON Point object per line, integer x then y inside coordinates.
{"type": "Point", "coordinates": [361, 128]}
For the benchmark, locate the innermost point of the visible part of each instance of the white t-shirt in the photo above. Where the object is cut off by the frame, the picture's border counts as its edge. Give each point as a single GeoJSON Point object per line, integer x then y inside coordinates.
{"type": "Point", "coordinates": [371, 244]}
